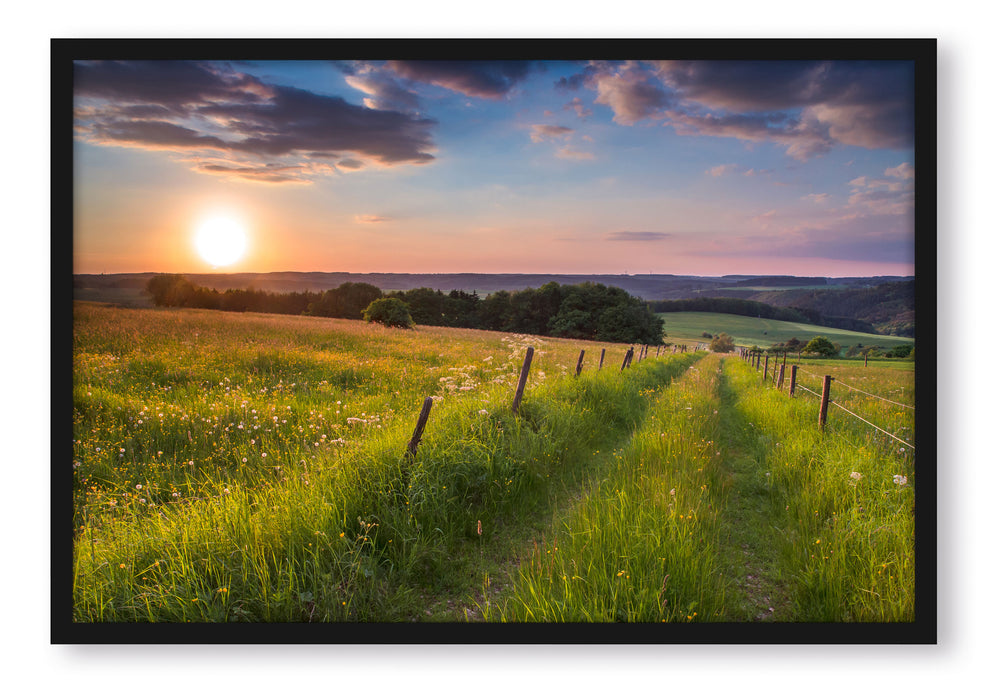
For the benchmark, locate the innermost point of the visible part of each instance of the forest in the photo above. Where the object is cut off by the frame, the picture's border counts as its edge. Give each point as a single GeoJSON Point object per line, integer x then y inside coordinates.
{"type": "Point", "coordinates": [590, 311]}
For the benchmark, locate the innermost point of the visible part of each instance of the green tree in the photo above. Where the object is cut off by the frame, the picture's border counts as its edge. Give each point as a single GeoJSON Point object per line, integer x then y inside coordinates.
{"type": "Point", "coordinates": [390, 312]}
{"type": "Point", "coordinates": [820, 345]}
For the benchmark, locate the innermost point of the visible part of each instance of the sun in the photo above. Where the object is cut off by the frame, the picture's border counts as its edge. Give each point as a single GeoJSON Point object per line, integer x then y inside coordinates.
{"type": "Point", "coordinates": [220, 240]}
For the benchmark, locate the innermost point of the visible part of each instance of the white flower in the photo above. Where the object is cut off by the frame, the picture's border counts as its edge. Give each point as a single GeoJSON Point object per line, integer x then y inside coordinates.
{"type": "Point", "coordinates": [900, 480]}
{"type": "Point", "coordinates": [856, 476]}
{"type": "Point", "coordinates": [672, 492]}
{"type": "Point", "coordinates": [137, 487]}
{"type": "Point", "coordinates": [482, 412]}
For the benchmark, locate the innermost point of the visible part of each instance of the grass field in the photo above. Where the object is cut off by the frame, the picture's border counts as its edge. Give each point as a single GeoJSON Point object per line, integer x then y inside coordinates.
{"type": "Point", "coordinates": [687, 327]}
{"type": "Point", "coordinates": [248, 467]}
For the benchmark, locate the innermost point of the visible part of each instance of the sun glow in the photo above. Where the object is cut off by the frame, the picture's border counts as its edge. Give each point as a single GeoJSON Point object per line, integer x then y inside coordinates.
{"type": "Point", "coordinates": [220, 240]}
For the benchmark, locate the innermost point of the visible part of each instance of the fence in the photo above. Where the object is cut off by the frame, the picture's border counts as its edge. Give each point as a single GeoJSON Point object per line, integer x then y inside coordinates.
{"type": "Point", "coordinates": [627, 361]}
{"type": "Point", "coordinates": [825, 399]}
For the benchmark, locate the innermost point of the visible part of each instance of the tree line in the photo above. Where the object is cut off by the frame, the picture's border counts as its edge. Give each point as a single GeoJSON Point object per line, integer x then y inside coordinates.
{"type": "Point", "coordinates": [589, 311]}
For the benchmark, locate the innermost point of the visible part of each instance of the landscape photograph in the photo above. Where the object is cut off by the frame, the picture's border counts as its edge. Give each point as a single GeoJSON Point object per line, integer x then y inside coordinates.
{"type": "Point", "coordinates": [460, 341]}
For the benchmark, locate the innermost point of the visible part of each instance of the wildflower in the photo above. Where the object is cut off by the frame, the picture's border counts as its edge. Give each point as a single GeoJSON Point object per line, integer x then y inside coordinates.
{"type": "Point", "coordinates": [672, 492]}
{"type": "Point", "coordinates": [856, 476]}
{"type": "Point", "coordinates": [479, 528]}
{"type": "Point", "coordinates": [137, 487]}
{"type": "Point", "coordinates": [243, 460]}
{"type": "Point", "coordinates": [482, 412]}
{"type": "Point", "coordinates": [900, 480]}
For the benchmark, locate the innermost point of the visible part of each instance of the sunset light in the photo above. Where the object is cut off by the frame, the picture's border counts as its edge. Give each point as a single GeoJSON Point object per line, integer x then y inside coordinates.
{"type": "Point", "coordinates": [220, 240]}
{"type": "Point", "coordinates": [592, 167]}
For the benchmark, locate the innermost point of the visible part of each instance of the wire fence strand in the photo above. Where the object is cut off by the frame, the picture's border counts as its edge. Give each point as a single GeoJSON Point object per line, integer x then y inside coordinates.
{"type": "Point", "coordinates": [837, 405]}
{"type": "Point", "coordinates": [808, 390]}
{"type": "Point", "coordinates": [873, 395]}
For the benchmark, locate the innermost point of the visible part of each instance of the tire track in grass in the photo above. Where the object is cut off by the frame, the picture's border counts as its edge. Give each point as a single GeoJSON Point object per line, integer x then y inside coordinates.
{"type": "Point", "coordinates": [751, 543]}
{"type": "Point", "coordinates": [639, 545]}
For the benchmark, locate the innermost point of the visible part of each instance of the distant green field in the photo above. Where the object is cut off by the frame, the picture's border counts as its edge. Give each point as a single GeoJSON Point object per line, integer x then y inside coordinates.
{"type": "Point", "coordinates": [687, 327]}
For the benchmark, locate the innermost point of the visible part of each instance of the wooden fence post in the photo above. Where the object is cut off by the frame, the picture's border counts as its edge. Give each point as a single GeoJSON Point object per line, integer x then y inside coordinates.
{"type": "Point", "coordinates": [823, 410]}
{"type": "Point", "coordinates": [424, 414]}
{"type": "Point", "coordinates": [793, 380]}
{"type": "Point", "coordinates": [627, 360]}
{"type": "Point", "coordinates": [775, 365]}
{"type": "Point", "coordinates": [658, 353]}
{"type": "Point", "coordinates": [601, 360]}
{"type": "Point", "coordinates": [866, 357]}
{"type": "Point", "coordinates": [522, 380]}
{"type": "Point", "coordinates": [577, 372]}
{"type": "Point", "coordinates": [766, 365]}
{"type": "Point", "coordinates": [780, 377]}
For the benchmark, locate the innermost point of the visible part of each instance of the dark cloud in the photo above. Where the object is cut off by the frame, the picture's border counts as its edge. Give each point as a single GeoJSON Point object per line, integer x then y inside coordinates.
{"type": "Point", "coordinates": [867, 104]}
{"type": "Point", "coordinates": [265, 173]}
{"type": "Point", "coordinates": [299, 120]}
{"type": "Point", "coordinates": [487, 79]}
{"type": "Point", "coordinates": [192, 107]}
{"type": "Point", "coordinates": [176, 86]}
{"type": "Point", "coordinates": [382, 90]}
{"type": "Point", "coordinates": [803, 139]}
{"type": "Point", "coordinates": [637, 236]}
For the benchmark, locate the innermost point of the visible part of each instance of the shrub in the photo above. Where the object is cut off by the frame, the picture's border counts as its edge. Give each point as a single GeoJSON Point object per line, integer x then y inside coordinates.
{"type": "Point", "coordinates": [389, 312]}
{"type": "Point", "coordinates": [723, 343]}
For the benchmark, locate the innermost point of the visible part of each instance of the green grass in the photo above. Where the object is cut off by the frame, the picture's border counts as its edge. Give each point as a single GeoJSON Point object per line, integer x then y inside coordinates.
{"type": "Point", "coordinates": [687, 327]}
{"type": "Point", "coordinates": [251, 468]}
{"type": "Point", "coordinates": [639, 545]}
{"type": "Point", "coordinates": [247, 467]}
{"type": "Point", "coordinates": [843, 524]}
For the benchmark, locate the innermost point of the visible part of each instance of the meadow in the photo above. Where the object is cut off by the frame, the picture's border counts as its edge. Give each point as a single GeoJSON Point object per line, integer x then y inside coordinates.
{"type": "Point", "coordinates": [245, 467]}
{"type": "Point", "coordinates": [687, 327]}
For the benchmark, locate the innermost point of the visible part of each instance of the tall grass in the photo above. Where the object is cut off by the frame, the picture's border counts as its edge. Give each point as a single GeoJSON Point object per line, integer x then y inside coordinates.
{"type": "Point", "coordinates": [845, 502]}
{"type": "Point", "coordinates": [639, 546]}
{"type": "Point", "coordinates": [290, 511]}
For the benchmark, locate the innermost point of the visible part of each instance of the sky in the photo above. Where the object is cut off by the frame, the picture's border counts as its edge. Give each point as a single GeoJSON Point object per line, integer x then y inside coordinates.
{"type": "Point", "coordinates": [585, 167]}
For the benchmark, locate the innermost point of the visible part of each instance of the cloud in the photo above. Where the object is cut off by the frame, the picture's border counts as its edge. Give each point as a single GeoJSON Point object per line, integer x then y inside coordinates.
{"type": "Point", "coordinates": [904, 171]}
{"type": "Point", "coordinates": [637, 236]}
{"type": "Point", "coordinates": [720, 170]}
{"type": "Point", "coordinates": [372, 219]}
{"type": "Point", "coordinates": [270, 174]}
{"type": "Point", "coordinates": [542, 132]}
{"type": "Point", "coordinates": [816, 198]}
{"type": "Point", "coordinates": [486, 79]}
{"type": "Point", "coordinates": [803, 139]}
{"type": "Point", "coordinates": [866, 104]}
{"type": "Point", "coordinates": [203, 111]}
{"type": "Point", "coordinates": [579, 109]}
{"type": "Point", "coordinates": [382, 90]}
{"type": "Point", "coordinates": [568, 153]}
{"type": "Point", "coordinates": [631, 92]}
{"type": "Point", "coordinates": [880, 196]}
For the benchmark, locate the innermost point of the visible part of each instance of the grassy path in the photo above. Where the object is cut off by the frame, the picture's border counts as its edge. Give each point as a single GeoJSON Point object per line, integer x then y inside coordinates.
{"type": "Point", "coordinates": [750, 550]}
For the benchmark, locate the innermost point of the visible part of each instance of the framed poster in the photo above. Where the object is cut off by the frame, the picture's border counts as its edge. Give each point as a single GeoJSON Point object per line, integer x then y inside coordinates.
{"type": "Point", "coordinates": [493, 341]}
